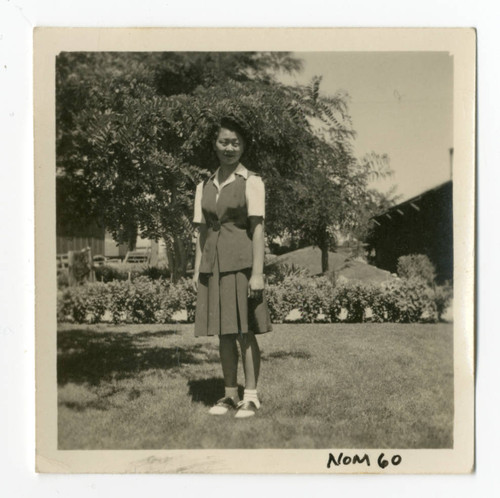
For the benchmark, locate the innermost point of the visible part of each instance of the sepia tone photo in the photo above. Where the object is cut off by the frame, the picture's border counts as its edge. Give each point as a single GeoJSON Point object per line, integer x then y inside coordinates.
{"type": "Point", "coordinates": [309, 205]}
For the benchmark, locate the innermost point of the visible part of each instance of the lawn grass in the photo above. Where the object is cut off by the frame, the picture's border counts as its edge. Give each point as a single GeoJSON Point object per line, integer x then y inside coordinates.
{"type": "Point", "coordinates": [322, 386]}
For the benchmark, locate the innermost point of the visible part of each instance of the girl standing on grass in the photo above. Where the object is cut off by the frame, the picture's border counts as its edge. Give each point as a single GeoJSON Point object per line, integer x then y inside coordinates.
{"type": "Point", "coordinates": [228, 273]}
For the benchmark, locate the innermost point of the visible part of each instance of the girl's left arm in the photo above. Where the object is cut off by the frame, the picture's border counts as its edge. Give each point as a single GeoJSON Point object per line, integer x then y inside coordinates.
{"type": "Point", "coordinates": [256, 283]}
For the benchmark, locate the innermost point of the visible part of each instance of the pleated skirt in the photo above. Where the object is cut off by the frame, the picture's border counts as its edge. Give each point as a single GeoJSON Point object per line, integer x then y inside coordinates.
{"type": "Point", "coordinates": [223, 306]}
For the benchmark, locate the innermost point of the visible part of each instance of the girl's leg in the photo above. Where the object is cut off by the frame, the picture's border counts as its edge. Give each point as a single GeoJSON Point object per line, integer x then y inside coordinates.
{"type": "Point", "coordinates": [228, 351]}
{"type": "Point", "coordinates": [250, 354]}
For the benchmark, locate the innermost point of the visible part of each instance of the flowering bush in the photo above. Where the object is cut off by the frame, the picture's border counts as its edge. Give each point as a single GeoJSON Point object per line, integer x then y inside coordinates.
{"type": "Point", "coordinates": [405, 301]}
{"type": "Point", "coordinates": [120, 295]}
{"type": "Point", "coordinates": [85, 303]}
{"type": "Point", "coordinates": [278, 309]}
{"type": "Point", "coordinates": [317, 300]}
{"type": "Point", "coordinates": [178, 297]}
{"type": "Point", "coordinates": [310, 296]}
{"type": "Point", "coordinates": [355, 298]}
{"type": "Point", "coordinates": [145, 299]}
{"type": "Point", "coordinates": [134, 302]}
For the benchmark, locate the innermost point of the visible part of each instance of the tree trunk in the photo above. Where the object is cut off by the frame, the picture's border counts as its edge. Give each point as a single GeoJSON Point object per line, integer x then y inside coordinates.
{"type": "Point", "coordinates": [324, 257]}
{"type": "Point", "coordinates": [170, 259]}
{"type": "Point", "coordinates": [132, 233]}
{"type": "Point", "coordinates": [177, 258]}
{"type": "Point", "coordinates": [132, 241]}
{"type": "Point", "coordinates": [181, 257]}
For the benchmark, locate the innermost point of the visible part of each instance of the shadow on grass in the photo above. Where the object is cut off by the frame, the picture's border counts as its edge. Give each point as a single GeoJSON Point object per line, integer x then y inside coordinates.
{"type": "Point", "coordinates": [151, 334]}
{"type": "Point", "coordinates": [86, 356]}
{"type": "Point", "coordinates": [283, 355]}
{"type": "Point", "coordinates": [101, 399]}
{"type": "Point", "coordinates": [208, 391]}
{"type": "Point", "coordinates": [101, 405]}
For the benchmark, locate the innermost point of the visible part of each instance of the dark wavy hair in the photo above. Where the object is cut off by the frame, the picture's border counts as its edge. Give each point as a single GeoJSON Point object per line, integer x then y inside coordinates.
{"type": "Point", "coordinates": [233, 124]}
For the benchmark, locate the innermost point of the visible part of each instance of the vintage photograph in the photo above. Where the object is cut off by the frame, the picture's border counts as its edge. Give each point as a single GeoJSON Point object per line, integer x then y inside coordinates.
{"type": "Point", "coordinates": [254, 250]}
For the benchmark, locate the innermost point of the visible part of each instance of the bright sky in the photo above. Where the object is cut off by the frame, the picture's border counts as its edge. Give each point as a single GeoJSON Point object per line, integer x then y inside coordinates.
{"type": "Point", "coordinates": [401, 104]}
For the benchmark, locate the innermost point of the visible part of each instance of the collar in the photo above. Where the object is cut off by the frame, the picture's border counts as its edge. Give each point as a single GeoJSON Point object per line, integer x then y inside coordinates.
{"type": "Point", "coordinates": [240, 170]}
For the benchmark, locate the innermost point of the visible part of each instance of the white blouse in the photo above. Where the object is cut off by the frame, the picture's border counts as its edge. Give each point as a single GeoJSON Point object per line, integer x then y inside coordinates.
{"type": "Point", "coordinates": [254, 193]}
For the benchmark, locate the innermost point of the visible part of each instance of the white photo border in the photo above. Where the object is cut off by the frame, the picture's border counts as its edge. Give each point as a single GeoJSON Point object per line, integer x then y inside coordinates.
{"type": "Point", "coordinates": [48, 42]}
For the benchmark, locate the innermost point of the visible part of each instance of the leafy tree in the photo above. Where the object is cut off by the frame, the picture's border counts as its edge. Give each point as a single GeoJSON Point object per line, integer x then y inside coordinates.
{"type": "Point", "coordinates": [332, 194]}
{"type": "Point", "coordinates": [375, 203]}
{"type": "Point", "coordinates": [134, 135]}
{"type": "Point", "coordinates": [135, 131]}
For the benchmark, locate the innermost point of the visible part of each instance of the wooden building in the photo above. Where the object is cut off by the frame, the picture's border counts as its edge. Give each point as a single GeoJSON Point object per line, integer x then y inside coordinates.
{"type": "Point", "coordinates": [421, 225]}
{"type": "Point", "coordinates": [91, 236]}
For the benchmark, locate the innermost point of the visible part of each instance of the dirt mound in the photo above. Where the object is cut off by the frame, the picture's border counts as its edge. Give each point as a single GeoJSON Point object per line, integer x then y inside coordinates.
{"type": "Point", "coordinates": [339, 262]}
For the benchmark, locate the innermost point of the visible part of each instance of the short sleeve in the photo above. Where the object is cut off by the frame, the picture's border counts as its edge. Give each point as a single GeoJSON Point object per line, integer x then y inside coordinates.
{"type": "Point", "coordinates": [256, 196]}
{"type": "Point", "coordinates": [198, 213]}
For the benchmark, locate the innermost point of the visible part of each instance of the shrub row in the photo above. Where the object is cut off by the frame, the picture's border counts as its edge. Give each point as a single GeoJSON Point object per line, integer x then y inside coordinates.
{"type": "Point", "coordinates": [156, 301]}
{"type": "Point", "coordinates": [142, 301]}
{"type": "Point", "coordinates": [403, 301]}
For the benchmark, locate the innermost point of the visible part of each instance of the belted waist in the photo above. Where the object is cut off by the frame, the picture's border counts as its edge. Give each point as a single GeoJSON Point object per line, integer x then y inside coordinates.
{"type": "Point", "coordinates": [216, 225]}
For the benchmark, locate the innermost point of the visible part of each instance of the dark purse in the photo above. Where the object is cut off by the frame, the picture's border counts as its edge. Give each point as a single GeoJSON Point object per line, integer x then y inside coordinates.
{"type": "Point", "coordinates": [259, 320]}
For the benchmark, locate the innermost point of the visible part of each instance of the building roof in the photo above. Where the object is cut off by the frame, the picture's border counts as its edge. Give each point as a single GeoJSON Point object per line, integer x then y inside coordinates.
{"type": "Point", "coordinates": [412, 203]}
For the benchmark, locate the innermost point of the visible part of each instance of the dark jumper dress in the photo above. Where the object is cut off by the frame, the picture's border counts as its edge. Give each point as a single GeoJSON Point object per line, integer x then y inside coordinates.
{"type": "Point", "coordinates": [223, 306]}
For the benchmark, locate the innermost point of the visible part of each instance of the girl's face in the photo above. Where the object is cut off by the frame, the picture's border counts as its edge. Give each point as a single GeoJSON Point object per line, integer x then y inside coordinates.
{"type": "Point", "coordinates": [229, 147]}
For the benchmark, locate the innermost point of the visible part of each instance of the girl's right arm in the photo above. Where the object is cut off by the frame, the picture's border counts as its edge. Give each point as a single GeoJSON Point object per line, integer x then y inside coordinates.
{"type": "Point", "coordinates": [201, 234]}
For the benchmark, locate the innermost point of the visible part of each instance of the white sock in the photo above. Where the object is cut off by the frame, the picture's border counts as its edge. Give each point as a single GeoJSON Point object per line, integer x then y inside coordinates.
{"type": "Point", "coordinates": [251, 395]}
